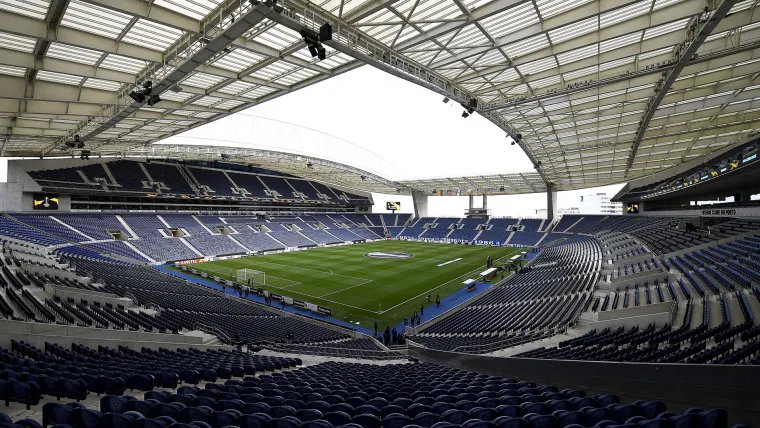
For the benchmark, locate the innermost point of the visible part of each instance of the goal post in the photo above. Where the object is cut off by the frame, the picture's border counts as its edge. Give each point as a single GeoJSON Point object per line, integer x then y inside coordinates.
{"type": "Point", "coordinates": [257, 277]}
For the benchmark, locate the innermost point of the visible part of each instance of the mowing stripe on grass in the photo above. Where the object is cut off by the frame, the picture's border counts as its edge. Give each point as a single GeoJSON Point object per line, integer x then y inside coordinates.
{"type": "Point", "coordinates": [435, 288]}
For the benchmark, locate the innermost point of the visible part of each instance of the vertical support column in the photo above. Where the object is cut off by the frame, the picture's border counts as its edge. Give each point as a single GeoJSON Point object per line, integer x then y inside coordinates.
{"type": "Point", "coordinates": [420, 200]}
{"type": "Point", "coordinates": [551, 202]}
{"type": "Point", "coordinates": [472, 201]}
{"type": "Point", "coordinates": [485, 201]}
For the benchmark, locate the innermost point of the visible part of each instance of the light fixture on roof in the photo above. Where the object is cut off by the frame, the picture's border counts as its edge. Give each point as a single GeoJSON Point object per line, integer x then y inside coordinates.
{"type": "Point", "coordinates": [446, 100]}
{"type": "Point", "coordinates": [501, 189]}
{"type": "Point", "coordinates": [309, 165]}
{"type": "Point", "coordinates": [363, 177]}
{"type": "Point", "coordinates": [137, 96]}
{"type": "Point", "coordinates": [314, 41]}
{"type": "Point", "coordinates": [154, 99]}
{"type": "Point", "coordinates": [469, 107]}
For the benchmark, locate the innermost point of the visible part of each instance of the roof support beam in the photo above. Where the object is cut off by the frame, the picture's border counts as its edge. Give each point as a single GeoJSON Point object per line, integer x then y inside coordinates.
{"type": "Point", "coordinates": [685, 53]}
{"type": "Point", "coordinates": [367, 9]}
{"type": "Point", "coordinates": [223, 38]}
{"type": "Point", "coordinates": [350, 40]}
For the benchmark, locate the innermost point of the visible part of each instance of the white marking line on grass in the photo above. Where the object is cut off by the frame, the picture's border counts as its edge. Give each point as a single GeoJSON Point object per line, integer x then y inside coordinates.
{"type": "Point", "coordinates": [347, 288]}
{"type": "Point", "coordinates": [226, 274]}
{"type": "Point", "coordinates": [449, 262]}
{"type": "Point", "coordinates": [311, 269]}
{"type": "Point", "coordinates": [447, 282]}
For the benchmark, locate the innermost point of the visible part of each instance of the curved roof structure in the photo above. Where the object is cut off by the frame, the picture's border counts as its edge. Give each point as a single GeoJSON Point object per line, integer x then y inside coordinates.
{"type": "Point", "coordinates": [599, 91]}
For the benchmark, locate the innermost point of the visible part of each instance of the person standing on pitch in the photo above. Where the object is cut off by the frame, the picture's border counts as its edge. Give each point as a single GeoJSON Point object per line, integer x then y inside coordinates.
{"type": "Point", "coordinates": [375, 327]}
{"type": "Point", "coordinates": [428, 297]}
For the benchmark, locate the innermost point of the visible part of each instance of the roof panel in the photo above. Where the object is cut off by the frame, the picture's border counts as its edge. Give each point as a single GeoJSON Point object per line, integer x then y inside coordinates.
{"type": "Point", "coordinates": [66, 79]}
{"type": "Point", "coordinates": [122, 63]}
{"type": "Point", "coordinates": [152, 35]}
{"type": "Point", "coordinates": [616, 16]}
{"type": "Point", "coordinates": [34, 8]}
{"type": "Point", "coordinates": [511, 20]}
{"type": "Point", "coordinates": [95, 19]}
{"type": "Point", "coordinates": [74, 54]}
{"type": "Point", "coordinates": [197, 9]}
{"type": "Point", "coordinates": [17, 43]}
{"type": "Point", "coordinates": [105, 85]}
{"type": "Point", "coordinates": [577, 29]}
{"type": "Point", "coordinates": [526, 46]}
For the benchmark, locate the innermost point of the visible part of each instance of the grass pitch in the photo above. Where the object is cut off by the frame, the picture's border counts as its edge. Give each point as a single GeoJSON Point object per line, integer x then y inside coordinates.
{"type": "Point", "coordinates": [351, 284]}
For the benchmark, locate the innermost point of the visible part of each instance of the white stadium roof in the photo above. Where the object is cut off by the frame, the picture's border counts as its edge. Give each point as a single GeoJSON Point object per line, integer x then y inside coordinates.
{"type": "Point", "coordinates": [601, 91]}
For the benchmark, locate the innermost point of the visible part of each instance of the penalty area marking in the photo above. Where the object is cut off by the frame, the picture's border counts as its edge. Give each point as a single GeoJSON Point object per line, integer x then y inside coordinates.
{"type": "Point", "coordinates": [449, 262]}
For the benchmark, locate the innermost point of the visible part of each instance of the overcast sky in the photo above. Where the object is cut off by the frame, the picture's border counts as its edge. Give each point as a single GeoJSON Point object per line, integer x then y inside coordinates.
{"type": "Point", "coordinates": [409, 131]}
{"type": "Point", "coordinates": [389, 126]}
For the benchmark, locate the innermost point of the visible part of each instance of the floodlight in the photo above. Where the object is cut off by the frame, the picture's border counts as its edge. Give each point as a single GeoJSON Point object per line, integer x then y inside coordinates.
{"type": "Point", "coordinates": [137, 96]}
{"type": "Point", "coordinates": [445, 99]}
{"type": "Point", "coordinates": [465, 114]}
{"type": "Point", "coordinates": [313, 50]}
{"type": "Point", "coordinates": [155, 99]}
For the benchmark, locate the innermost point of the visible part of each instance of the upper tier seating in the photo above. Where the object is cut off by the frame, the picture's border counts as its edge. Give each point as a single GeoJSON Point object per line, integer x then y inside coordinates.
{"type": "Point", "coordinates": [214, 179]}
{"type": "Point", "coordinates": [304, 187]}
{"type": "Point", "coordinates": [129, 175]}
{"type": "Point", "coordinates": [278, 185]}
{"type": "Point", "coordinates": [169, 175]}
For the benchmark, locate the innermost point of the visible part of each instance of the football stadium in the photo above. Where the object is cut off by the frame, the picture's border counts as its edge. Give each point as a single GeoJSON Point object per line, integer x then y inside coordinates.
{"type": "Point", "coordinates": [259, 214]}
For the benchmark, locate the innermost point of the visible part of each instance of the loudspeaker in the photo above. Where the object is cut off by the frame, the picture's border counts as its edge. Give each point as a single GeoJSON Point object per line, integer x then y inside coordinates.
{"type": "Point", "coordinates": [325, 32]}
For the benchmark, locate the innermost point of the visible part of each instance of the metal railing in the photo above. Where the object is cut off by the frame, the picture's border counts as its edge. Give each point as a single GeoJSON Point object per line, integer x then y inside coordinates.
{"type": "Point", "coordinates": [213, 329]}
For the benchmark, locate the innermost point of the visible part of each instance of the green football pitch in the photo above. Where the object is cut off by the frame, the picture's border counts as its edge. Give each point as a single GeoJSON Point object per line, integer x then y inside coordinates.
{"type": "Point", "coordinates": [363, 288]}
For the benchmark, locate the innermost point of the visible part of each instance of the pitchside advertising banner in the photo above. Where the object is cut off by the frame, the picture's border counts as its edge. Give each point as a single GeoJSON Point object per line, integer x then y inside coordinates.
{"type": "Point", "coordinates": [460, 241]}
{"type": "Point", "coordinates": [287, 300]}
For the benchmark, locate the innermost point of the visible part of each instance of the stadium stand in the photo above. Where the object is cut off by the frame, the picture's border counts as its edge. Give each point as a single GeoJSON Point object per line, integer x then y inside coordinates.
{"type": "Point", "coordinates": [542, 297]}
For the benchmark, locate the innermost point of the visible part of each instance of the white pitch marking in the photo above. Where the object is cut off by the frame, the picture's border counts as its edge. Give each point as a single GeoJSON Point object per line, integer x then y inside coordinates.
{"type": "Point", "coordinates": [449, 262]}
{"type": "Point", "coordinates": [435, 288]}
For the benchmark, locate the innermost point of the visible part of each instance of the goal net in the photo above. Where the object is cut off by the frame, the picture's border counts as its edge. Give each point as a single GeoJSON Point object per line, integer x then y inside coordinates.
{"type": "Point", "coordinates": [257, 277]}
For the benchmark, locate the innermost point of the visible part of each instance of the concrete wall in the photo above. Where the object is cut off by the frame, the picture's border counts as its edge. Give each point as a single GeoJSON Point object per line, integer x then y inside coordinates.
{"type": "Point", "coordinates": [64, 335]}
{"type": "Point", "coordinates": [732, 387]}
{"type": "Point", "coordinates": [11, 198]}
{"type": "Point", "coordinates": [635, 311]}
{"type": "Point", "coordinates": [420, 200]}
{"type": "Point", "coordinates": [91, 296]}
{"type": "Point", "coordinates": [659, 320]}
